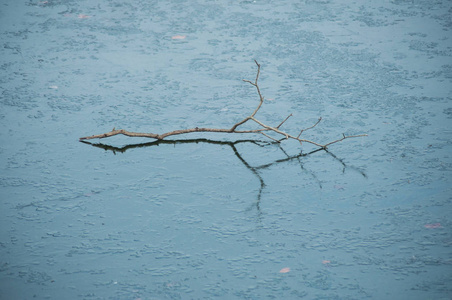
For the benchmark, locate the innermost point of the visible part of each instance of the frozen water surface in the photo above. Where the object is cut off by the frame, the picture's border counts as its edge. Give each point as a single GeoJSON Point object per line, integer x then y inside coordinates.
{"type": "Point", "coordinates": [216, 216]}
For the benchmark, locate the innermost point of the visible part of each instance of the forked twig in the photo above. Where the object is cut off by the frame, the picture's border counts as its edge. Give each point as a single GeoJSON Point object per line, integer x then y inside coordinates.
{"type": "Point", "coordinates": [233, 129]}
{"type": "Point", "coordinates": [318, 121]}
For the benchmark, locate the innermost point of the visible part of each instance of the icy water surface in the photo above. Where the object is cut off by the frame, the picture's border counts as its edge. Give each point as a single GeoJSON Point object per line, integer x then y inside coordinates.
{"type": "Point", "coordinates": [215, 216]}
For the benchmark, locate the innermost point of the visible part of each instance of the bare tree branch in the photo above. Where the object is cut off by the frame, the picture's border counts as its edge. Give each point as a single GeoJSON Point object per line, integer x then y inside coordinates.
{"type": "Point", "coordinates": [233, 129]}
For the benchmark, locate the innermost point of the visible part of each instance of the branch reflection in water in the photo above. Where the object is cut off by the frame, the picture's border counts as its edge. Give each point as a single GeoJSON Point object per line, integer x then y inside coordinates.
{"type": "Point", "coordinates": [256, 170]}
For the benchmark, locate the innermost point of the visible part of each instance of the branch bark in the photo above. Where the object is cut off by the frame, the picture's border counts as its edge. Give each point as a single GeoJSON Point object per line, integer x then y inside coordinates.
{"type": "Point", "coordinates": [264, 128]}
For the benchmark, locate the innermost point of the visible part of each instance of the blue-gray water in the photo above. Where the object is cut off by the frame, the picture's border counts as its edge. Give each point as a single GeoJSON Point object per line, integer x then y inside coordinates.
{"type": "Point", "coordinates": [220, 218]}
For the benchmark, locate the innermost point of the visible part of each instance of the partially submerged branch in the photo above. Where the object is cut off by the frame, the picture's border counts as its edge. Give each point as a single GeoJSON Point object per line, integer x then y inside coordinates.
{"type": "Point", "coordinates": [262, 130]}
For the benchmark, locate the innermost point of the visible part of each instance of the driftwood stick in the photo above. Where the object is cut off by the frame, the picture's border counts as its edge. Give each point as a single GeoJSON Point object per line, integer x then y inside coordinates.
{"type": "Point", "coordinates": [263, 127]}
{"type": "Point", "coordinates": [164, 135]}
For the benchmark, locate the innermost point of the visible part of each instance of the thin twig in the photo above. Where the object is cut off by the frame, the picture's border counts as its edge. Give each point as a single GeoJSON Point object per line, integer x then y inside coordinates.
{"type": "Point", "coordinates": [261, 98]}
{"type": "Point", "coordinates": [343, 138]}
{"type": "Point", "coordinates": [284, 121]}
{"type": "Point", "coordinates": [278, 141]}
